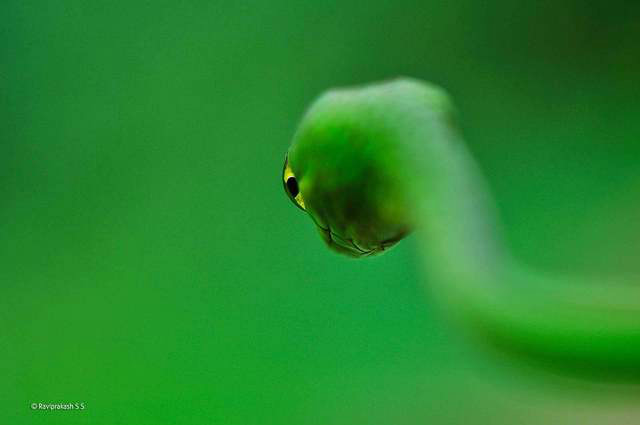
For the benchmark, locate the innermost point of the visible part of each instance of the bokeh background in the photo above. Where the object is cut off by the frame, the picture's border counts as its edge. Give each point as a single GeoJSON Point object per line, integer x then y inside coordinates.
{"type": "Point", "coordinates": [152, 267]}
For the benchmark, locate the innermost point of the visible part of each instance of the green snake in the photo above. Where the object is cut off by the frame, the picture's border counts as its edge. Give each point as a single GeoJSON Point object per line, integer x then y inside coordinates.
{"type": "Point", "coordinates": [372, 163]}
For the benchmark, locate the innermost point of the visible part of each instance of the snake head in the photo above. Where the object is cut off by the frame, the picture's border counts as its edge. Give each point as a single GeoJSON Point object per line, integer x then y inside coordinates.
{"type": "Point", "coordinates": [344, 173]}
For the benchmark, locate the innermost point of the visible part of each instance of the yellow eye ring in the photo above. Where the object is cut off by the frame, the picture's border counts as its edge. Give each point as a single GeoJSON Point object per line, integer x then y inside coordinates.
{"type": "Point", "coordinates": [291, 185]}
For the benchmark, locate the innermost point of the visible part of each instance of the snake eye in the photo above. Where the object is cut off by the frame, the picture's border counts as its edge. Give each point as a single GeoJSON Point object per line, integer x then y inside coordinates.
{"type": "Point", "coordinates": [291, 185]}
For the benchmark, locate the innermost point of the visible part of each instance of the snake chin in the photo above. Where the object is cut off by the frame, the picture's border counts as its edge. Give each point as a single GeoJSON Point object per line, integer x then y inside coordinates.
{"type": "Point", "coordinates": [350, 248]}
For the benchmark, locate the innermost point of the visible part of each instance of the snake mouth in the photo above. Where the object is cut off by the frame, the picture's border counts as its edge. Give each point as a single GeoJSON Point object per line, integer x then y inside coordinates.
{"type": "Point", "coordinates": [349, 247]}
{"type": "Point", "coordinates": [343, 245]}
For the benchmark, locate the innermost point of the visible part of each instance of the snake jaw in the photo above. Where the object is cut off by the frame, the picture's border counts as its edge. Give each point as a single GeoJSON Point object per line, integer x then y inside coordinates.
{"type": "Point", "coordinates": [342, 245]}
{"type": "Point", "coordinates": [349, 247]}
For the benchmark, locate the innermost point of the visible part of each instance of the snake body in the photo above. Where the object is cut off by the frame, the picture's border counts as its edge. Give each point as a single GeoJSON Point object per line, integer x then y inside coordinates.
{"type": "Point", "coordinates": [370, 164]}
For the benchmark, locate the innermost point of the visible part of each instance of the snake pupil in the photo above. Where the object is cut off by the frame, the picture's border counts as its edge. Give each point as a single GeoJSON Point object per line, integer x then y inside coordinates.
{"type": "Point", "coordinates": [292, 185]}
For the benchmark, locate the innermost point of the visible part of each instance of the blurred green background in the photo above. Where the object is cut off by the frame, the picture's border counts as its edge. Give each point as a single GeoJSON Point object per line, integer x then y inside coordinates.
{"type": "Point", "coordinates": [151, 265]}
